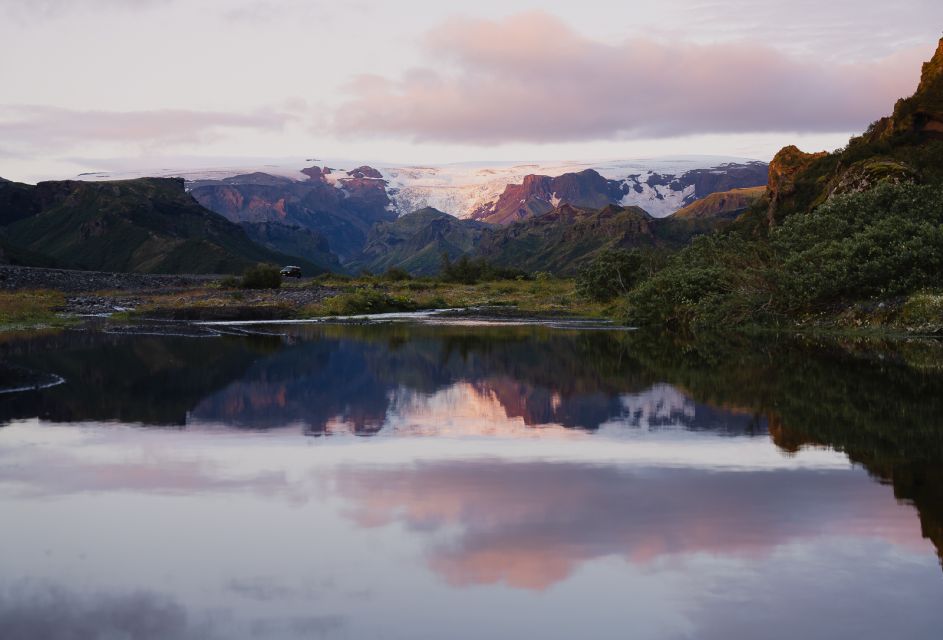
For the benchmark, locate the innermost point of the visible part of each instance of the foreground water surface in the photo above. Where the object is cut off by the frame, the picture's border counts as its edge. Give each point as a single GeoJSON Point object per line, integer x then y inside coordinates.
{"type": "Point", "coordinates": [425, 481]}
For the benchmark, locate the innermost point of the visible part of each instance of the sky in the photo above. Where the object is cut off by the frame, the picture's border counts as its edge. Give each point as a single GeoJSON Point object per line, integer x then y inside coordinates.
{"type": "Point", "coordinates": [117, 84]}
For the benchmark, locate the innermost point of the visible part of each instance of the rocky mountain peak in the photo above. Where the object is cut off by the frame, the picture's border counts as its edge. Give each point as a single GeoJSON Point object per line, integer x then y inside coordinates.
{"type": "Point", "coordinates": [784, 168]}
{"type": "Point", "coordinates": [932, 72]}
{"type": "Point", "coordinates": [365, 171]}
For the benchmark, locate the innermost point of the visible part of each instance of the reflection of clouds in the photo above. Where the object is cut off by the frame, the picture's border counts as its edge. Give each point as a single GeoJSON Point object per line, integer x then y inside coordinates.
{"type": "Point", "coordinates": [530, 525]}
{"type": "Point", "coordinates": [42, 611]}
{"type": "Point", "coordinates": [43, 471]}
{"type": "Point", "coordinates": [299, 626]}
{"type": "Point", "coordinates": [30, 611]}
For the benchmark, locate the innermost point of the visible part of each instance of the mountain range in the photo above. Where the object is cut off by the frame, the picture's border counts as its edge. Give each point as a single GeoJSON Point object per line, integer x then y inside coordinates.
{"type": "Point", "coordinates": [148, 225]}
{"type": "Point", "coordinates": [352, 220]}
{"type": "Point", "coordinates": [359, 212]}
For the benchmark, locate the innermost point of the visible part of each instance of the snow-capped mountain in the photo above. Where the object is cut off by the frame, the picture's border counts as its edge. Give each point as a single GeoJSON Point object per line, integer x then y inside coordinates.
{"type": "Point", "coordinates": [658, 185]}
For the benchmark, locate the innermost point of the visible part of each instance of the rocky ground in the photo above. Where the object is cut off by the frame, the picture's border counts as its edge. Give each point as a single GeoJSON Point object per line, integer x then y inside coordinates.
{"type": "Point", "coordinates": [16, 278]}
{"type": "Point", "coordinates": [182, 297]}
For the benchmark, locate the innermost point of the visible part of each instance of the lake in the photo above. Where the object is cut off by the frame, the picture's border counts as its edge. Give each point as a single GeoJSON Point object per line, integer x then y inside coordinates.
{"type": "Point", "coordinates": [467, 480]}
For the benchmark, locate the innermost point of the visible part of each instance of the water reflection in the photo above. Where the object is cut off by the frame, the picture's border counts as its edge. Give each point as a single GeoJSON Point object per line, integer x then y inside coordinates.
{"type": "Point", "coordinates": [530, 525]}
{"type": "Point", "coordinates": [325, 379]}
{"type": "Point", "coordinates": [520, 481]}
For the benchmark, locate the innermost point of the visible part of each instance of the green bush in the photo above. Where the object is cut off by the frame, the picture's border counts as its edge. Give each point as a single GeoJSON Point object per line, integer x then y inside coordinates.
{"type": "Point", "coordinates": [718, 281]}
{"type": "Point", "coordinates": [230, 282]}
{"type": "Point", "coordinates": [883, 242]}
{"type": "Point", "coordinates": [467, 270]}
{"type": "Point", "coordinates": [368, 301]}
{"type": "Point", "coordinates": [262, 276]}
{"type": "Point", "coordinates": [610, 274]}
{"type": "Point", "coordinates": [395, 274]}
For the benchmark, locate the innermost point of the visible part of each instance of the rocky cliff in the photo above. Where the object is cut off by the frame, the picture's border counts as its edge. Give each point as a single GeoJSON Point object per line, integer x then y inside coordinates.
{"type": "Point", "coordinates": [906, 146]}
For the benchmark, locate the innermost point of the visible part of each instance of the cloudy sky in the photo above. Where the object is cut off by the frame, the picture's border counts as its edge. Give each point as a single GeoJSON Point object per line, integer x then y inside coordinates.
{"type": "Point", "coordinates": [111, 84]}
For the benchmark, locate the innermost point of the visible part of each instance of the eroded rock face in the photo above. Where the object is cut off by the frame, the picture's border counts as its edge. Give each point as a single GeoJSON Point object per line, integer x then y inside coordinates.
{"type": "Point", "coordinates": [922, 113]}
{"type": "Point", "coordinates": [784, 170]}
{"type": "Point", "coordinates": [867, 174]}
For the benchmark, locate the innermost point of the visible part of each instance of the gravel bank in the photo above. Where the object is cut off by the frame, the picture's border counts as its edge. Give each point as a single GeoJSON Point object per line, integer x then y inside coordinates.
{"type": "Point", "coordinates": [69, 281]}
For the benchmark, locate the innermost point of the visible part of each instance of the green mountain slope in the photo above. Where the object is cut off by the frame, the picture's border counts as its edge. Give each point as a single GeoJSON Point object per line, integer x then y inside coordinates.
{"type": "Point", "coordinates": [416, 241]}
{"type": "Point", "coordinates": [721, 205]}
{"type": "Point", "coordinates": [562, 240]}
{"type": "Point", "coordinates": [294, 240]}
{"type": "Point", "coordinates": [149, 225]}
{"type": "Point", "coordinates": [846, 239]}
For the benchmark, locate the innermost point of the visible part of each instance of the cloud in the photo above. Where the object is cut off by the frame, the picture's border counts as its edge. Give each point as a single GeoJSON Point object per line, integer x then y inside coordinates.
{"type": "Point", "coordinates": [29, 10]}
{"type": "Point", "coordinates": [40, 128]}
{"type": "Point", "coordinates": [531, 78]}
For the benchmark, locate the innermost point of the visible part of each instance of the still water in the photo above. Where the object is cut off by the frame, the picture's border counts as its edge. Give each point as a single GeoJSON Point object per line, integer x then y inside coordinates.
{"type": "Point", "coordinates": [425, 481]}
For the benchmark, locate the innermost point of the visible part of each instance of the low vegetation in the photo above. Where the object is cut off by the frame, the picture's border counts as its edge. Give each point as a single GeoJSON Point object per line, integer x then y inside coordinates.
{"type": "Point", "coordinates": [878, 245]}
{"type": "Point", "coordinates": [261, 276]}
{"type": "Point", "coordinates": [31, 309]}
{"type": "Point", "coordinates": [538, 296]}
{"type": "Point", "coordinates": [468, 270]}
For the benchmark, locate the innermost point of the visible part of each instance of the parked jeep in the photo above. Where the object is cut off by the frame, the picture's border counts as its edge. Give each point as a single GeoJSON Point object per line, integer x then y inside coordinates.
{"type": "Point", "coordinates": [291, 271]}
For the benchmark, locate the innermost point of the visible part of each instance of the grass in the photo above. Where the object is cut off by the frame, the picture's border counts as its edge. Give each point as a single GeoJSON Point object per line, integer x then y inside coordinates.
{"type": "Point", "coordinates": [31, 310]}
{"type": "Point", "coordinates": [529, 297]}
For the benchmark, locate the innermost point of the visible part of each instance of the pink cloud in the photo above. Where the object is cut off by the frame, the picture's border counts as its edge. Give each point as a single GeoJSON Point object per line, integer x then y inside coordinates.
{"type": "Point", "coordinates": [531, 78]}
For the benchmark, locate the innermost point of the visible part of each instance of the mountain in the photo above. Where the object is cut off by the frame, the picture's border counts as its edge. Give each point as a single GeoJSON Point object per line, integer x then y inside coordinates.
{"type": "Point", "coordinates": [340, 219]}
{"type": "Point", "coordinates": [537, 195]}
{"type": "Point", "coordinates": [722, 205]}
{"type": "Point", "coordinates": [563, 239]}
{"type": "Point", "coordinates": [294, 240]}
{"type": "Point", "coordinates": [341, 207]}
{"type": "Point", "coordinates": [148, 225]}
{"type": "Point", "coordinates": [416, 241]}
{"type": "Point", "coordinates": [658, 194]}
{"type": "Point", "coordinates": [906, 146]}
{"type": "Point", "coordinates": [659, 185]}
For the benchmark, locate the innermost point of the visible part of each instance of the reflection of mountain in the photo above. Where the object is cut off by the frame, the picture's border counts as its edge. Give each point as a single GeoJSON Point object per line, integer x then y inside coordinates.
{"type": "Point", "coordinates": [350, 381]}
{"type": "Point", "coordinates": [883, 410]}
{"type": "Point", "coordinates": [153, 380]}
{"type": "Point", "coordinates": [884, 413]}
{"type": "Point", "coordinates": [530, 525]}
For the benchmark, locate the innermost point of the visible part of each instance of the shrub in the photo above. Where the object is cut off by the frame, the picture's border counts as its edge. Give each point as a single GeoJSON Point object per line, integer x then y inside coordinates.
{"type": "Point", "coordinates": [367, 301]}
{"type": "Point", "coordinates": [611, 273]}
{"type": "Point", "coordinates": [718, 281]}
{"type": "Point", "coordinates": [883, 242]}
{"type": "Point", "coordinates": [230, 282]}
{"type": "Point", "coordinates": [474, 270]}
{"type": "Point", "coordinates": [262, 276]}
{"type": "Point", "coordinates": [395, 274]}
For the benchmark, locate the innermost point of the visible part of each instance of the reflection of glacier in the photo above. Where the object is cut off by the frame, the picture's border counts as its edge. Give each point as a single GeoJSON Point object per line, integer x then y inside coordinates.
{"type": "Point", "coordinates": [662, 405]}
{"type": "Point", "coordinates": [666, 407]}
{"type": "Point", "coordinates": [435, 382]}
